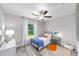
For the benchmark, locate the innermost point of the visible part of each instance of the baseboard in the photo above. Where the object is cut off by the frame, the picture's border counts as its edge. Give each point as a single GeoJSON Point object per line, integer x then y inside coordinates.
{"type": "Point", "coordinates": [19, 45]}
{"type": "Point", "coordinates": [67, 46]}
{"type": "Point", "coordinates": [78, 48]}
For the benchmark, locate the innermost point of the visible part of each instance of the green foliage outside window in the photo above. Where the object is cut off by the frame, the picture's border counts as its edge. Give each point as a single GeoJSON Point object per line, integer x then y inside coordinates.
{"type": "Point", "coordinates": [30, 31]}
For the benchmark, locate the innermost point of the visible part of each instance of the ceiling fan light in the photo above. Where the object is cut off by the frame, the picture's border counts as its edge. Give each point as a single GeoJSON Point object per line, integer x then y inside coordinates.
{"type": "Point", "coordinates": [41, 17]}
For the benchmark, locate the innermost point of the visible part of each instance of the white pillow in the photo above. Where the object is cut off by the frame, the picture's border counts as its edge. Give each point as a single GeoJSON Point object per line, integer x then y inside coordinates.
{"type": "Point", "coordinates": [48, 35]}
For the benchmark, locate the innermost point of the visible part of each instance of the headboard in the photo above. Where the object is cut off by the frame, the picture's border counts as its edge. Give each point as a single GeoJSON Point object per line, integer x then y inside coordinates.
{"type": "Point", "coordinates": [50, 33]}
{"type": "Point", "coordinates": [53, 34]}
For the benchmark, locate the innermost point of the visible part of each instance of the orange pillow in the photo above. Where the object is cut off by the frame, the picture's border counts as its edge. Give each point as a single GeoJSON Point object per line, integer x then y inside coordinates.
{"type": "Point", "coordinates": [52, 47]}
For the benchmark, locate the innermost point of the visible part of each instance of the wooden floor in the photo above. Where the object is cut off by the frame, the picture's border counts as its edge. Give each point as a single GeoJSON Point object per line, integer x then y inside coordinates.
{"type": "Point", "coordinates": [29, 50]}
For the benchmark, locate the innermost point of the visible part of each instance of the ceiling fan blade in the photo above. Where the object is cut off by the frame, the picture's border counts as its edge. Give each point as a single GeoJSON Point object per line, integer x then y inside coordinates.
{"type": "Point", "coordinates": [35, 14]}
{"type": "Point", "coordinates": [45, 12]}
{"type": "Point", "coordinates": [47, 16]}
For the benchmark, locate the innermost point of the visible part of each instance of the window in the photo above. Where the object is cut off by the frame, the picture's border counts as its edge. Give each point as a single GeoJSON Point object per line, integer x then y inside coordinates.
{"type": "Point", "coordinates": [30, 31]}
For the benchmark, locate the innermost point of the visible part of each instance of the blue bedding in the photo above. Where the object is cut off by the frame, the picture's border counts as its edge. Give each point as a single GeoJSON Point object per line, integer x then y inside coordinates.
{"type": "Point", "coordinates": [38, 42]}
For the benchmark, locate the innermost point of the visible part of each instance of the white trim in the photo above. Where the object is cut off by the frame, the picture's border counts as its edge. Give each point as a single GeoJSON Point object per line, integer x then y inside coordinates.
{"type": "Point", "coordinates": [35, 27]}
{"type": "Point", "coordinates": [25, 28]}
{"type": "Point", "coordinates": [25, 21]}
{"type": "Point", "coordinates": [78, 48]}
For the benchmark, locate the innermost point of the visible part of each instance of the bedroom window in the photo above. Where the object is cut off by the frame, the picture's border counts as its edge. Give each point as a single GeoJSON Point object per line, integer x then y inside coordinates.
{"type": "Point", "coordinates": [30, 31]}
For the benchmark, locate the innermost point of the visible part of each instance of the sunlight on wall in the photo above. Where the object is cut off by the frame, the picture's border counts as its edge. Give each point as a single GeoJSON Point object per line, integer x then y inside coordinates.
{"type": "Point", "coordinates": [0, 32]}
{"type": "Point", "coordinates": [9, 32]}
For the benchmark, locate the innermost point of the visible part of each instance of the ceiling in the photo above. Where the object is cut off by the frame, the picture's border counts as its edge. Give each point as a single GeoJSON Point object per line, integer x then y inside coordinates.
{"type": "Point", "coordinates": [26, 9]}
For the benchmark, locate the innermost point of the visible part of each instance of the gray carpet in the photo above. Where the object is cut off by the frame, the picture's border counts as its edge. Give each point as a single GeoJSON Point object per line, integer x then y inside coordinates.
{"type": "Point", "coordinates": [29, 50]}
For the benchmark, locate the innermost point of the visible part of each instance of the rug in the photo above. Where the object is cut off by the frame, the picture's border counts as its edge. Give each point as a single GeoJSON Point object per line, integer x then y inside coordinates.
{"type": "Point", "coordinates": [52, 47]}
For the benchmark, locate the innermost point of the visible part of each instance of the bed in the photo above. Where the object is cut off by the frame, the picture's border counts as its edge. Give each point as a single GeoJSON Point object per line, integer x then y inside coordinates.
{"type": "Point", "coordinates": [41, 42]}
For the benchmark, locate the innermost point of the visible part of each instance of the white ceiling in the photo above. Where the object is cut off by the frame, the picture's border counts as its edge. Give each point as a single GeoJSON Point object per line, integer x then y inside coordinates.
{"type": "Point", "coordinates": [26, 9]}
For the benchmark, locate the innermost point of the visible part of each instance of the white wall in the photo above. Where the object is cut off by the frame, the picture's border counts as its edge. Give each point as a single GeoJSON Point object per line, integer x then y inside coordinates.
{"type": "Point", "coordinates": [12, 22]}
{"type": "Point", "coordinates": [77, 21]}
{"type": "Point", "coordinates": [77, 26]}
{"type": "Point", "coordinates": [0, 18]}
{"type": "Point", "coordinates": [40, 28]}
{"type": "Point", "coordinates": [66, 25]}
{"type": "Point", "coordinates": [2, 25]}
{"type": "Point", "coordinates": [11, 51]}
{"type": "Point", "coordinates": [2, 15]}
{"type": "Point", "coordinates": [15, 23]}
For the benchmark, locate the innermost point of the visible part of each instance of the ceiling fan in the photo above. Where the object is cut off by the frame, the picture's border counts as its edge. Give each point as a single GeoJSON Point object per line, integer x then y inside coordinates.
{"type": "Point", "coordinates": [41, 15]}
